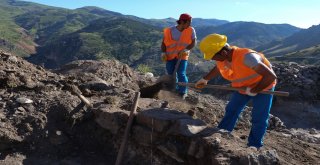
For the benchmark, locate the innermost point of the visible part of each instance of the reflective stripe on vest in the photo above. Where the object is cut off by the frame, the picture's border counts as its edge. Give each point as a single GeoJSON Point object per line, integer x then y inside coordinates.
{"type": "Point", "coordinates": [173, 47]}
{"type": "Point", "coordinates": [238, 73]}
{"type": "Point", "coordinates": [245, 78]}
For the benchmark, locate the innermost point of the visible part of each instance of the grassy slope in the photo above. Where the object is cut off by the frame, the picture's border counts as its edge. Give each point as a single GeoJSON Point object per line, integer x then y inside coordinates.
{"type": "Point", "coordinates": [120, 38]}
{"type": "Point", "coordinates": [12, 37]}
{"type": "Point", "coordinates": [309, 55]}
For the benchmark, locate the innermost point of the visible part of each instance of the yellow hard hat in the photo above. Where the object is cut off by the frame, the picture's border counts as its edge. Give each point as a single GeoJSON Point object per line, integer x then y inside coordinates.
{"type": "Point", "coordinates": [212, 44]}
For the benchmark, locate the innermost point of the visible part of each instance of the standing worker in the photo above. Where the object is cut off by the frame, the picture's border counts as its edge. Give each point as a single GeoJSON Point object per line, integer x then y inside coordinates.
{"type": "Point", "coordinates": [244, 68]}
{"type": "Point", "coordinates": [176, 45]}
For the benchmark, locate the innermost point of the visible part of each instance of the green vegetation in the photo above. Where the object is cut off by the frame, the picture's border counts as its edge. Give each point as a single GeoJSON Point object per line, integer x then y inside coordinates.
{"type": "Point", "coordinates": [125, 40]}
{"type": "Point", "coordinates": [144, 68]}
{"type": "Point", "coordinates": [65, 35]}
{"type": "Point", "coordinates": [55, 36]}
{"type": "Point", "coordinates": [296, 43]}
{"type": "Point", "coordinates": [12, 37]}
{"type": "Point", "coordinates": [309, 56]}
{"type": "Point", "coordinates": [49, 24]}
{"type": "Point", "coordinates": [93, 47]}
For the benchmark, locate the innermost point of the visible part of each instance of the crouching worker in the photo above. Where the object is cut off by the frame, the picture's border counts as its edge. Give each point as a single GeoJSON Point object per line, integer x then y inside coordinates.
{"type": "Point", "coordinates": [243, 67]}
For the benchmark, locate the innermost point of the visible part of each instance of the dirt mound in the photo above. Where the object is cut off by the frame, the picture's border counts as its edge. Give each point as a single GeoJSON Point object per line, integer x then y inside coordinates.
{"type": "Point", "coordinates": [45, 121]}
{"type": "Point", "coordinates": [42, 122]}
{"type": "Point", "coordinates": [110, 72]}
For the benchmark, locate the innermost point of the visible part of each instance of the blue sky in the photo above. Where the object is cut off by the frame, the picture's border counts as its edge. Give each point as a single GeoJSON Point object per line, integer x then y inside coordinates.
{"type": "Point", "coordinates": [300, 13]}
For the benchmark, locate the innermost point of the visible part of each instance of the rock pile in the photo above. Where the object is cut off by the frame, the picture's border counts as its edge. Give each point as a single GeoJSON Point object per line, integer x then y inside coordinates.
{"type": "Point", "coordinates": [303, 82]}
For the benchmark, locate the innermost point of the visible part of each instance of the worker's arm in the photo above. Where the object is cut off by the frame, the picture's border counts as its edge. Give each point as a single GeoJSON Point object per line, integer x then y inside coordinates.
{"type": "Point", "coordinates": [193, 43]}
{"type": "Point", "coordinates": [204, 81]}
{"type": "Point", "coordinates": [163, 52]}
{"type": "Point", "coordinates": [186, 51]}
{"type": "Point", "coordinates": [163, 47]}
{"type": "Point", "coordinates": [268, 76]}
{"type": "Point", "coordinates": [213, 73]}
{"type": "Point", "coordinates": [194, 40]}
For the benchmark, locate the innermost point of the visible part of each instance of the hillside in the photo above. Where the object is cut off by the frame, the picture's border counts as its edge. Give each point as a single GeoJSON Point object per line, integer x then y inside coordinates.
{"type": "Point", "coordinates": [105, 38]}
{"type": "Point", "coordinates": [45, 119]}
{"type": "Point", "coordinates": [13, 38]}
{"type": "Point", "coordinates": [71, 101]}
{"type": "Point", "coordinates": [49, 24]}
{"type": "Point", "coordinates": [249, 34]}
{"type": "Point", "coordinates": [305, 39]}
{"type": "Point", "coordinates": [48, 31]}
{"type": "Point", "coordinates": [197, 22]}
{"type": "Point", "coordinates": [98, 11]}
{"type": "Point", "coordinates": [308, 56]}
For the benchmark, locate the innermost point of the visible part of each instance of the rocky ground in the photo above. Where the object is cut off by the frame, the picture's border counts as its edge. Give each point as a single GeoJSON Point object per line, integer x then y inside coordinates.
{"type": "Point", "coordinates": [45, 119]}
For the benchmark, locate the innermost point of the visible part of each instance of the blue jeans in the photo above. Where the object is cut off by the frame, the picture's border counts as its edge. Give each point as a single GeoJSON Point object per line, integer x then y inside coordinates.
{"type": "Point", "coordinates": [181, 73]}
{"type": "Point", "coordinates": [259, 115]}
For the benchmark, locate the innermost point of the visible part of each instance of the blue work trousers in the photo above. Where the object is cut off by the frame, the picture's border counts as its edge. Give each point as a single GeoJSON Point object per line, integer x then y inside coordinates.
{"type": "Point", "coordinates": [181, 73]}
{"type": "Point", "coordinates": [259, 115]}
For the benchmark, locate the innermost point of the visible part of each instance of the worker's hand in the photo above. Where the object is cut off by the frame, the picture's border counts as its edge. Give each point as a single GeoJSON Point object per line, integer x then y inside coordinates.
{"type": "Point", "coordinates": [249, 93]}
{"type": "Point", "coordinates": [201, 83]}
{"type": "Point", "coordinates": [184, 52]}
{"type": "Point", "coordinates": [163, 56]}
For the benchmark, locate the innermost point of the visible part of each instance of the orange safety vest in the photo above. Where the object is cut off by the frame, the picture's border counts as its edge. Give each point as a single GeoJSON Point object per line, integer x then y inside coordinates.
{"type": "Point", "coordinates": [238, 73]}
{"type": "Point", "coordinates": [173, 47]}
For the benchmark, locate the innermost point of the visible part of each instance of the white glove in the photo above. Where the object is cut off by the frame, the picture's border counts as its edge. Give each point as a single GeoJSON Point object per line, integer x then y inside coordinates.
{"type": "Point", "coordinates": [201, 83]}
{"type": "Point", "coordinates": [249, 93]}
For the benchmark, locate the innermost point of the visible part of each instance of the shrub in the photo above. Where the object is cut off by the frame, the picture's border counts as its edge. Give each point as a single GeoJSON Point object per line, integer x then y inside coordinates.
{"type": "Point", "coordinates": [144, 68]}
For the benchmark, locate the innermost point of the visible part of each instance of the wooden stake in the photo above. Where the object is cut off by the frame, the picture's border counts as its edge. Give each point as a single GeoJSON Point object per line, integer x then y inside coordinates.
{"type": "Point", "coordinates": [128, 127]}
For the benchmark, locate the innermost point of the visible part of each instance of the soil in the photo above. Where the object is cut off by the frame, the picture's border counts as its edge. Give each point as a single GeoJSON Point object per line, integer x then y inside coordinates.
{"type": "Point", "coordinates": [43, 120]}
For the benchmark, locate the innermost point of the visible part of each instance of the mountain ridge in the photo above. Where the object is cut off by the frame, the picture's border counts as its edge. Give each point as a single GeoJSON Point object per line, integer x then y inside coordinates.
{"type": "Point", "coordinates": [303, 39]}
{"type": "Point", "coordinates": [48, 26]}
